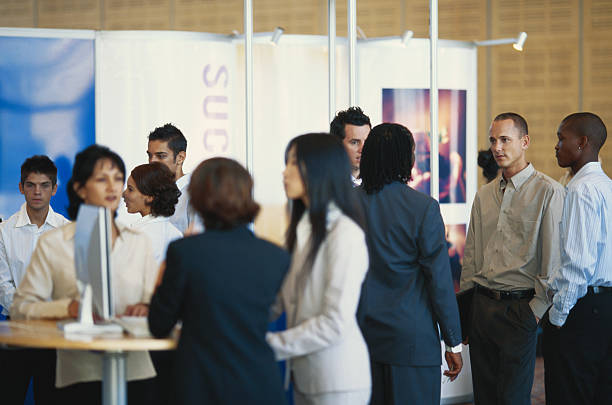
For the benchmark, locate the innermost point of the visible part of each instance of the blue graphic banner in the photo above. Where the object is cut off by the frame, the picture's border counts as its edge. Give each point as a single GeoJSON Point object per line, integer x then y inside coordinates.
{"type": "Point", "coordinates": [47, 106]}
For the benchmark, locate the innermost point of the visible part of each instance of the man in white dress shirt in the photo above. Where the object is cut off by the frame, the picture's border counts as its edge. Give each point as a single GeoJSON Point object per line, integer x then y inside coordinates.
{"type": "Point", "coordinates": [168, 145]}
{"type": "Point", "coordinates": [18, 238]}
{"type": "Point", "coordinates": [352, 128]}
{"type": "Point", "coordinates": [577, 339]}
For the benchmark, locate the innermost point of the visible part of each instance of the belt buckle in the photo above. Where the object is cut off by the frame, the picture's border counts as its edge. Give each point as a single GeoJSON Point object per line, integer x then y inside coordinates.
{"type": "Point", "coordinates": [498, 295]}
{"type": "Point", "coordinates": [596, 290]}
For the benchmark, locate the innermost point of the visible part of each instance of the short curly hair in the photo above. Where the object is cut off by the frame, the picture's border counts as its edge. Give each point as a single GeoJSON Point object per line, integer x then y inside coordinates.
{"type": "Point", "coordinates": [221, 191]}
{"type": "Point", "coordinates": [157, 181]}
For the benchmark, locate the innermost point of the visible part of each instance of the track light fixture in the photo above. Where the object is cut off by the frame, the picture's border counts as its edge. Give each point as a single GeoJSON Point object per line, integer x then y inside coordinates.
{"type": "Point", "coordinates": [276, 34]}
{"type": "Point", "coordinates": [517, 43]}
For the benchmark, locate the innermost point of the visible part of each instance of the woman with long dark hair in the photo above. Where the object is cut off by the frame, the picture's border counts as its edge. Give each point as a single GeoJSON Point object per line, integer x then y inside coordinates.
{"type": "Point", "coordinates": [152, 192]}
{"type": "Point", "coordinates": [49, 287]}
{"type": "Point", "coordinates": [327, 355]}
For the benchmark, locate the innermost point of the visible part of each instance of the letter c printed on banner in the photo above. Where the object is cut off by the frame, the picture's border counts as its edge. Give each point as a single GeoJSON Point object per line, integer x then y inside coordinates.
{"type": "Point", "coordinates": [215, 139]}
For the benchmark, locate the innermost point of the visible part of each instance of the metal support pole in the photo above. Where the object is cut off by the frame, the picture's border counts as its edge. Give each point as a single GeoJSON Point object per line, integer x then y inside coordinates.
{"type": "Point", "coordinates": [352, 40]}
{"type": "Point", "coordinates": [331, 46]}
{"type": "Point", "coordinates": [433, 99]}
{"type": "Point", "coordinates": [248, 58]}
{"type": "Point", "coordinates": [114, 391]}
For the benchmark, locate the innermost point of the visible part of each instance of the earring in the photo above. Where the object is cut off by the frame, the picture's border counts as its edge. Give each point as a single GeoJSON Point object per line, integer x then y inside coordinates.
{"type": "Point", "coordinates": [580, 148]}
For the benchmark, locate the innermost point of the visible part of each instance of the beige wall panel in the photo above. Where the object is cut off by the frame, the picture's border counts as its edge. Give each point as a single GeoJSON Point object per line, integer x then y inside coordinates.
{"type": "Point", "coordinates": [137, 15]}
{"type": "Point", "coordinates": [220, 17]}
{"type": "Point", "coordinates": [16, 13]}
{"type": "Point", "coordinates": [295, 16]}
{"type": "Point", "coordinates": [71, 14]}
{"type": "Point", "coordinates": [597, 17]}
{"type": "Point", "coordinates": [536, 17]}
{"type": "Point", "coordinates": [464, 20]}
{"type": "Point", "coordinates": [379, 18]}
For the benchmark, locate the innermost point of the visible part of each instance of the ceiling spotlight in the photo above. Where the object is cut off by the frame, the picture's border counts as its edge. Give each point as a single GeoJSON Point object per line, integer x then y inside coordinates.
{"type": "Point", "coordinates": [278, 31]}
{"type": "Point", "coordinates": [520, 41]}
{"type": "Point", "coordinates": [517, 43]}
{"type": "Point", "coordinates": [407, 36]}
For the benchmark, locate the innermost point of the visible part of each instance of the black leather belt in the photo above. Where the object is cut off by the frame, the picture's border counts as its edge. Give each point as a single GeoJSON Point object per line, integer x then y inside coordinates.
{"type": "Point", "coordinates": [500, 295]}
{"type": "Point", "coordinates": [599, 290]}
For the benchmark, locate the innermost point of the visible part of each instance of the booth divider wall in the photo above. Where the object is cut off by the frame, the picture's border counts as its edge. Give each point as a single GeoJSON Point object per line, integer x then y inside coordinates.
{"type": "Point", "coordinates": [145, 79]}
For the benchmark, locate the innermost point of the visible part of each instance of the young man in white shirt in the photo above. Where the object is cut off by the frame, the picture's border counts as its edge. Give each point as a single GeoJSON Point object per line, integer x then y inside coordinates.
{"type": "Point", "coordinates": [18, 238]}
{"type": "Point", "coordinates": [168, 145]}
{"type": "Point", "coordinates": [352, 127]}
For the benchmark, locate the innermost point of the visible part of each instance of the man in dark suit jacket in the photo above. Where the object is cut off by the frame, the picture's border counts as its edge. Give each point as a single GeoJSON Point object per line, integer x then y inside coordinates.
{"type": "Point", "coordinates": [408, 291]}
{"type": "Point", "coordinates": [221, 284]}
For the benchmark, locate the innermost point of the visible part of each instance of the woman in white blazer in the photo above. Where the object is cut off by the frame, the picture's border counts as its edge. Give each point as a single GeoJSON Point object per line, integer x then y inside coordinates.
{"type": "Point", "coordinates": [327, 355]}
{"type": "Point", "coordinates": [152, 192]}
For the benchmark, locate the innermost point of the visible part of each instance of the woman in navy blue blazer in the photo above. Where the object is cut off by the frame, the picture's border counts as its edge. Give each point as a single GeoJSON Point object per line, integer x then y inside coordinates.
{"type": "Point", "coordinates": [221, 285]}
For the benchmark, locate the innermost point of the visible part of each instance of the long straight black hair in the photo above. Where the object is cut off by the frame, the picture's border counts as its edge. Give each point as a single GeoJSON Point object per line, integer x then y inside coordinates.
{"type": "Point", "coordinates": [326, 172]}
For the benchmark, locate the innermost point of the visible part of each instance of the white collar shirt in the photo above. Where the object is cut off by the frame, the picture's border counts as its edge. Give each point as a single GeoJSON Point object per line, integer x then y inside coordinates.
{"type": "Point", "coordinates": [512, 239]}
{"type": "Point", "coordinates": [160, 231]}
{"type": "Point", "coordinates": [18, 238]}
{"type": "Point", "coordinates": [586, 240]}
{"type": "Point", "coordinates": [184, 214]}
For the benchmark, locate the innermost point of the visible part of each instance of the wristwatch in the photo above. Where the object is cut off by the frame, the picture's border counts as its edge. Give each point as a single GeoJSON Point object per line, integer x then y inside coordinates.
{"type": "Point", "coordinates": [455, 349]}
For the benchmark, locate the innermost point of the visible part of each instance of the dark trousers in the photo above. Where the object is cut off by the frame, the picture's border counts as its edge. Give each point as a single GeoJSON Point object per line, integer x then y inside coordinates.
{"type": "Point", "coordinates": [399, 385]}
{"type": "Point", "coordinates": [139, 392]}
{"type": "Point", "coordinates": [578, 356]}
{"type": "Point", "coordinates": [164, 384]}
{"type": "Point", "coordinates": [18, 367]}
{"type": "Point", "coordinates": [502, 351]}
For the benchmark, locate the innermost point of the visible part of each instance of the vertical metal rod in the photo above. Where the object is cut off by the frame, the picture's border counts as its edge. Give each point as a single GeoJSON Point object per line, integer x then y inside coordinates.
{"type": "Point", "coordinates": [580, 54]}
{"type": "Point", "coordinates": [248, 58]}
{"type": "Point", "coordinates": [331, 46]}
{"type": "Point", "coordinates": [352, 40]}
{"type": "Point", "coordinates": [489, 62]}
{"type": "Point", "coordinates": [433, 98]}
{"type": "Point", "coordinates": [114, 391]}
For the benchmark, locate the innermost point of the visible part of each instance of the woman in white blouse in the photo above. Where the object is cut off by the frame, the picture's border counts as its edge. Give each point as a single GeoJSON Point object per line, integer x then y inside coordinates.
{"type": "Point", "coordinates": [327, 355]}
{"type": "Point", "coordinates": [152, 192]}
{"type": "Point", "coordinates": [49, 287]}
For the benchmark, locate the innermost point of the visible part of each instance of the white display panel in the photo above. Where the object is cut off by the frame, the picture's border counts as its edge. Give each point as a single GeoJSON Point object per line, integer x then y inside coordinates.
{"type": "Point", "coordinates": [290, 98]}
{"type": "Point", "coordinates": [146, 79]}
{"type": "Point", "coordinates": [393, 66]}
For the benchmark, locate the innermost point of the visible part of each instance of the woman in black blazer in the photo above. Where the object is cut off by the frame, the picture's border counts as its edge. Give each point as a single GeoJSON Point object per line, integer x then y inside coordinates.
{"type": "Point", "coordinates": [221, 285]}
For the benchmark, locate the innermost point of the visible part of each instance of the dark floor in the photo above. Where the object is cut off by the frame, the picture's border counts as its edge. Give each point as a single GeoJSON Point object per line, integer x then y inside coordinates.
{"type": "Point", "coordinates": [537, 392]}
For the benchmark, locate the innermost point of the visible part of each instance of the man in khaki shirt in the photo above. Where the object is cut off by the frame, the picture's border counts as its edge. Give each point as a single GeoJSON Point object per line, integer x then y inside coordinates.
{"type": "Point", "coordinates": [512, 246]}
